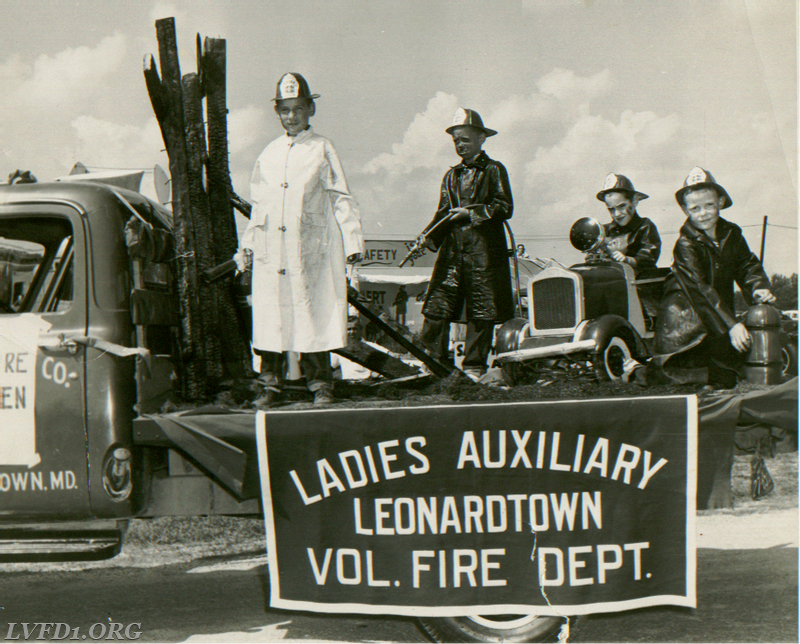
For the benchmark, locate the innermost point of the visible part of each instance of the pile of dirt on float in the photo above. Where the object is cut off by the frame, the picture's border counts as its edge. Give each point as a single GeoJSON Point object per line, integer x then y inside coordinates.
{"type": "Point", "coordinates": [429, 391]}
{"type": "Point", "coordinates": [459, 388]}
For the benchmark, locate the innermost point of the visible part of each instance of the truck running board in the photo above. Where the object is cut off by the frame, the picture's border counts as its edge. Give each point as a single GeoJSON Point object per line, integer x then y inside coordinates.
{"type": "Point", "coordinates": [70, 542]}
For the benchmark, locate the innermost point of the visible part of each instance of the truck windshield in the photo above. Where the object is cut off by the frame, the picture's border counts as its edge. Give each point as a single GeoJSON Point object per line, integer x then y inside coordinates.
{"type": "Point", "coordinates": [36, 265]}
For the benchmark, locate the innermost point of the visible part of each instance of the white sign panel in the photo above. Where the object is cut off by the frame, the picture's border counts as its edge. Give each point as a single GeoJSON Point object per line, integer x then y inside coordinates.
{"type": "Point", "coordinates": [19, 337]}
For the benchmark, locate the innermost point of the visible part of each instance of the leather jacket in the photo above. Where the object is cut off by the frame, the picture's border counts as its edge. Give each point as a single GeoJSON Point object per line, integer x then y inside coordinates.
{"type": "Point", "coordinates": [638, 240]}
{"type": "Point", "coordinates": [472, 266]}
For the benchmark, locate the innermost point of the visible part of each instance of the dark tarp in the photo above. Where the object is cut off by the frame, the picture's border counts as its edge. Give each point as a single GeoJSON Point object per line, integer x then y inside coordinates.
{"type": "Point", "coordinates": [222, 441]}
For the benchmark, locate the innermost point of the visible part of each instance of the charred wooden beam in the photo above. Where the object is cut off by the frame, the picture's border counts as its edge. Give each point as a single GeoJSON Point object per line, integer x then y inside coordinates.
{"type": "Point", "coordinates": [167, 99]}
{"type": "Point", "coordinates": [207, 342]}
{"type": "Point", "coordinates": [211, 62]}
{"type": "Point", "coordinates": [437, 368]}
{"type": "Point", "coordinates": [376, 360]}
{"type": "Point", "coordinates": [212, 345]}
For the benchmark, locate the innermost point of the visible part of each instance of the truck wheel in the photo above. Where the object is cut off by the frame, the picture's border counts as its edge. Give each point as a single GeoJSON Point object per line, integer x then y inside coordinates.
{"type": "Point", "coordinates": [493, 628]}
{"type": "Point", "coordinates": [512, 373]}
{"type": "Point", "coordinates": [789, 360]}
{"type": "Point", "coordinates": [609, 364]}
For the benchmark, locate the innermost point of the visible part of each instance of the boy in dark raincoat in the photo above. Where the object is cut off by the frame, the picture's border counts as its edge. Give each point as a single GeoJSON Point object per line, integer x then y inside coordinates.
{"type": "Point", "coordinates": [697, 318]}
{"type": "Point", "coordinates": [630, 238]}
{"type": "Point", "coordinates": [471, 270]}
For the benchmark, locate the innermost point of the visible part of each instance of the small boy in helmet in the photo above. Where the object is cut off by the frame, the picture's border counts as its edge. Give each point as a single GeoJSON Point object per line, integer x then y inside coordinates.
{"type": "Point", "coordinates": [630, 239]}
{"type": "Point", "coordinates": [303, 225]}
{"type": "Point", "coordinates": [471, 270]}
{"type": "Point", "coordinates": [698, 311]}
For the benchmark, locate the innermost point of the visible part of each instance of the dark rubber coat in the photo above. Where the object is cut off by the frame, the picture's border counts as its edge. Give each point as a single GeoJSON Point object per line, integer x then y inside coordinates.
{"type": "Point", "coordinates": [642, 242]}
{"type": "Point", "coordinates": [472, 269]}
{"type": "Point", "coordinates": [703, 274]}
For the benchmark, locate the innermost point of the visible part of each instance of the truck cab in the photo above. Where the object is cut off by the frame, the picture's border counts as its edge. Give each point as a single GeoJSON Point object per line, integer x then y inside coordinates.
{"type": "Point", "coordinates": [69, 349]}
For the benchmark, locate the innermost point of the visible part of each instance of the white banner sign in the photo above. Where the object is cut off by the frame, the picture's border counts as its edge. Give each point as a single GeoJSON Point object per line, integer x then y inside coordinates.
{"type": "Point", "coordinates": [19, 337]}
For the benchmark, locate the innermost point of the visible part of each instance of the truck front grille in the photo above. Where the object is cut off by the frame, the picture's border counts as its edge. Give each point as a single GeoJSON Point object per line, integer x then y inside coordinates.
{"type": "Point", "coordinates": [554, 303]}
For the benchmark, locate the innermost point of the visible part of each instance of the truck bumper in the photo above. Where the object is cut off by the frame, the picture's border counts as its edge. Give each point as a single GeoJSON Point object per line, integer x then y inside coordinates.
{"type": "Point", "coordinates": [564, 348]}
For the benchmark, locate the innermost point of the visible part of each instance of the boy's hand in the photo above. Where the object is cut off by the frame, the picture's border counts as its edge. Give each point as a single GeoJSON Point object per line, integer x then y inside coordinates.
{"type": "Point", "coordinates": [354, 258]}
{"type": "Point", "coordinates": [244, 260]}
{"type": "Point", "coordinates": [617, 256]}
{"type": "Point", "coordinates": [740, 338]}
{"type": "Point", "coordinates": [763, 296]}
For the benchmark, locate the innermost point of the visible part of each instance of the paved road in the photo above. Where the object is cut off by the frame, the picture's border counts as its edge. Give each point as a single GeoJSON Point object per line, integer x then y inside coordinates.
{"type": "Point", "coordinates": [743, 596]}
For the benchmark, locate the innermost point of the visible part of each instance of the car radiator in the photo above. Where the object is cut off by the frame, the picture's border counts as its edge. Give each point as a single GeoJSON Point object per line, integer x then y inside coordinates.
{"type": "Point", "coordinates": [554, 303]}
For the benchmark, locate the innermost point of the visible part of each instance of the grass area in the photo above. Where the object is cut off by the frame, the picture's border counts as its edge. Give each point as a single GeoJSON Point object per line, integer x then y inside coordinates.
{"type": "Point", "coordinates": [176, 539]}
{"type": "Point", "coordinates": [210, 531]}
{"type": "Point", "coordinates": [783, 469]}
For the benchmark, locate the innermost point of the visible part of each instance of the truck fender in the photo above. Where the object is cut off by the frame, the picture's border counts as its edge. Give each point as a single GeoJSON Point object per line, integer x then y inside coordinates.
{"type": "Point", "coordinates": [602, 329]}
{"type": "Point", "coordinates": [509, 335]}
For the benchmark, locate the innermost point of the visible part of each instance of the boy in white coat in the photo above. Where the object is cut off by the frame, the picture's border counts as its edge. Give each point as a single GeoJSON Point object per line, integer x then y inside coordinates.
{"type": "Point", "coordinates": [303, 225]}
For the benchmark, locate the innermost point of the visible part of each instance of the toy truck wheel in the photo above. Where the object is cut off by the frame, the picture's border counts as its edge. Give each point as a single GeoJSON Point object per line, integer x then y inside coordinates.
{"type": "Point", "coordinates": [609, 364]}
{"type": "Point", "coordinates": [493, 628]}
{"type": "Point", "coordinates": [789, 360]}
{"type": "Point", "coordinates": [512, 373]}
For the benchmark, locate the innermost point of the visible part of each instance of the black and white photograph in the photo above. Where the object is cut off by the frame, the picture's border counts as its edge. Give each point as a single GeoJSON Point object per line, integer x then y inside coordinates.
{"type": "Point", "coordinates": [417, 321]}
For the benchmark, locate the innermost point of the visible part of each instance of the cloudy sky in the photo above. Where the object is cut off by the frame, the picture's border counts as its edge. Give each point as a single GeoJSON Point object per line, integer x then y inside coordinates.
{"type": "Point", "coordinates": [576, 89]}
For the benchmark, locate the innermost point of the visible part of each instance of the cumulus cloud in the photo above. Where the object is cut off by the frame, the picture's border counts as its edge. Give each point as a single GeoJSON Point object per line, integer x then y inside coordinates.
{"type": "Point", "coordinates": [70, 75]}
{"type": "Point", "coordinates": [592, 147]}
{"type": "Point", "coordinates": [517, 111]}
{"type": "Point", "coordinates": [596, 140]}
{"type": "Point", "coordinates": [562, 94]}
{"type": "Point", "coordinates": [423, 144]}
{"type": "Point", "coordinates": [554, 146]}
{"type": "Point", "coordinates": [566, 85]}
{"type": "Point", "coordinates": [108, 144]}
{"type": "Point", "coordinates": [42, 98]}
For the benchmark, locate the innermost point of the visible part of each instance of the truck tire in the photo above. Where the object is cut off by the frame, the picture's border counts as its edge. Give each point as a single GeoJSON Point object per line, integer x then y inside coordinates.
{"type": "Point", "coordinates": [789, 360]}
{"type": "Point", "coordinates": [512, 373]}
{"type": "Point", "coordinates": [609, 363]}
{"type": "Point", "coordinates": [493, 628]}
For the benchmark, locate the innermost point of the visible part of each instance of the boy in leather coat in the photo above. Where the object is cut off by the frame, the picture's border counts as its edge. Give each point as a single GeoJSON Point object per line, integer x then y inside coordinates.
{"type": "Point", "coordinates": [630, 238]}
{"type": "Point", "coordinates": [471, 270]}
{"type": "Point", "coordinates": [697, 315]}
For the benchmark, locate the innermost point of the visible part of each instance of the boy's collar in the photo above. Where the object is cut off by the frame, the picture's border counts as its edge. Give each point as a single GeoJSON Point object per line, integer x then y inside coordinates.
{"type": "Point", "coordinates": [301, 135]}
{"type": "Point", "coordinates": [635, 219]}
{"type": "Point", "coordinates": [722, 229]}
{"type": "Point", "coordinates": [479, 160]}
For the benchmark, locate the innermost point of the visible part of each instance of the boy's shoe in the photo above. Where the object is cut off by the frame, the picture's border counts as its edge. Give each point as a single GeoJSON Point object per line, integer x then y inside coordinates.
{"type": "Point", "coordinates": [269, 396]}
{"type": "Point", "coordinates": [323, 396]}
{"type": "Point", "coordinates": [474, 373]}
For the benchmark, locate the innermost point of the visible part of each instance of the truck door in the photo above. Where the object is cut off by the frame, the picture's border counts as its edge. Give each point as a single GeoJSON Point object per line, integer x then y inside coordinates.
{"type": "Point", "coordinates": [43, 442]}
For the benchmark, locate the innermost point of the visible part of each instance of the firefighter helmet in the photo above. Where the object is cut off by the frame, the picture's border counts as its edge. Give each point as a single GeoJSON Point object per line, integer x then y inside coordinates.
{"type": "Point", "coordinates": [293, 85]}
{"type": "Point", "coordinates": [619, 183]}
{"type": "Point", "coordinates": [699, 178]}
{"type": "Point", "coordinates": [469, 117]}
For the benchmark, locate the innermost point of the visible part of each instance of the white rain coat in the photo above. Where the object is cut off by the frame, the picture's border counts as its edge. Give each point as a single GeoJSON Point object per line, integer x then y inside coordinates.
{"type": "Point", "coordinates": [303, 224]}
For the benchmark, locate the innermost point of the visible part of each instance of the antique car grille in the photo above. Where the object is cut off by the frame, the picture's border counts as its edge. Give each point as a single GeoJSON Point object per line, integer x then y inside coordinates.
{"type": "Point", "coordinates": [554, 303]}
